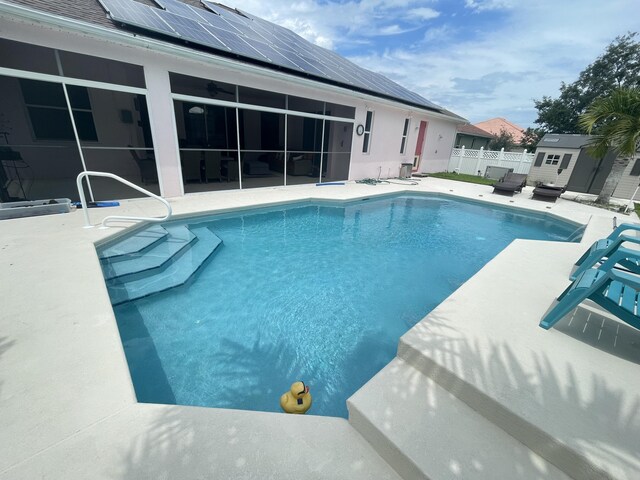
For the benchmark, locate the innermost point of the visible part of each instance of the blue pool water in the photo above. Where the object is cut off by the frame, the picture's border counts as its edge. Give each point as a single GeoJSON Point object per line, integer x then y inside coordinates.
{"type": "Point", "coordinates": [317, 293]}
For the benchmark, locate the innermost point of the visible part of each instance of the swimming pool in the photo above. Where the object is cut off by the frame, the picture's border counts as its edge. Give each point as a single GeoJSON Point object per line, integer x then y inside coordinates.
{"type": "Point", "coordinates": [316, 292]}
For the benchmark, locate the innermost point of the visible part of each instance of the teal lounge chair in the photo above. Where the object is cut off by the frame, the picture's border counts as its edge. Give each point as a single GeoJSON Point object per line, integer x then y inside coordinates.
{"type": "Point", "coordinates": [597, 251]}
{"type": "Point", "coordinates": [601, 254]}
{"type": "Point", "coordinates": [614, 290]}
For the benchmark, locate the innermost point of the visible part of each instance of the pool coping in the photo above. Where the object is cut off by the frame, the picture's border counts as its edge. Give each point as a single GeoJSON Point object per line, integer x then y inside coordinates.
{"type": "Point", "coordinates": [43, 416]}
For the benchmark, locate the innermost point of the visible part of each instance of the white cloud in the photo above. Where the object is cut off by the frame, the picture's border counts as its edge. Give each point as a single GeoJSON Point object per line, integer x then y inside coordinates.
{"type": "Point", "coordinates": [337, 23]}
{"type": "Point", "coordinates": [481, 5]}
{"type": "Point", "coordinates": [391, 30]}
{"type": "Point", "coordinates": [494, 71]}
{"type": "Point", "coordinates": [424, 13]}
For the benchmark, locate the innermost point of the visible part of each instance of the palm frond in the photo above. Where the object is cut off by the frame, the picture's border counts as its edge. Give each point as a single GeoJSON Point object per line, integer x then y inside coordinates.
{"type": "Point", "coordinates": [614, 122]}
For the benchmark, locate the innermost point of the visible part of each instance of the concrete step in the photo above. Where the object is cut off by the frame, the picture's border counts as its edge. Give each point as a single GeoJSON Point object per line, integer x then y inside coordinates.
{"type": "Point", "coordinates": [154, 258]}
{"type": "Point", "coordinates": [177, 273]}
{"type": "Point", "coordinates": [137, 243]}
{"type": "Point", "coordinates": [425, 432]}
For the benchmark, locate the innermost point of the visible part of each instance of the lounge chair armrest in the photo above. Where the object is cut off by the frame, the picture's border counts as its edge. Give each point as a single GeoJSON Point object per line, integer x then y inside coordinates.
{"type": "Point", "coordinates": [619, 241]}
{"type": "Point", "coordinates": [621, 253]}
{"type": "Point", "coordinates": [621, 228]}
{"type": "Point", "coordinates": [627, 238]}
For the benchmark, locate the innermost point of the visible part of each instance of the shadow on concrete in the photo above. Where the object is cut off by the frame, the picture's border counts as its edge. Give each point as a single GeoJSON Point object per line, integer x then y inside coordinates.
{"type": "Point", "coordinates": [561, 394]}
{"type": "Point", "coordinates": [606, 334]}
{"type": "Point", "coordinates": [5, 344]}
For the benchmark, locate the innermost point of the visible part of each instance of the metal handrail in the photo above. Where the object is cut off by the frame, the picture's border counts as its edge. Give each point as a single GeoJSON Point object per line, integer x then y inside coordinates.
{"type": "Point", "coordinates": [87, 223]}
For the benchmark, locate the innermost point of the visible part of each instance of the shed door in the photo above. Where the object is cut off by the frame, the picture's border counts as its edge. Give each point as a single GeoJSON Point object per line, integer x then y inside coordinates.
{"type": "Point", "coordinates": [589, 174]}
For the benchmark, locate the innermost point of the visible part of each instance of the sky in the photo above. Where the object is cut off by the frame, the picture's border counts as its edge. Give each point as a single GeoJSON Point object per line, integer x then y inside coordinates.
{"type": "Point", "coordinates": [478, 58]}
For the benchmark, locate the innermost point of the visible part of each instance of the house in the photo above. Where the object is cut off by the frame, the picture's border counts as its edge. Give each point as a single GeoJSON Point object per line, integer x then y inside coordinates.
{"type": "Point", "coordinates": [497, 125]}
{"type": "Point", "coordinates": [192, 97]}
{"type": "Point", "coordinates": [470, 136]}
{"type": "Point", "coordinates": [564, 159]}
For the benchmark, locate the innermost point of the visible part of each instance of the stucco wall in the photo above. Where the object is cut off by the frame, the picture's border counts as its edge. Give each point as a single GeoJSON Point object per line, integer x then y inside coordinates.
{"type": "Point", "coordinates": [384, 156]}
{"type": "Point", "coordinates": [437, 147]}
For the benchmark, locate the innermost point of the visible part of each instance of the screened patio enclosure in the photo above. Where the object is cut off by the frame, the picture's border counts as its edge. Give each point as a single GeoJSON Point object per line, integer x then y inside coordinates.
{"type": "Point", "coordinates": [62, 113]}
{"type": "Point", "coordinates": [232, 136]}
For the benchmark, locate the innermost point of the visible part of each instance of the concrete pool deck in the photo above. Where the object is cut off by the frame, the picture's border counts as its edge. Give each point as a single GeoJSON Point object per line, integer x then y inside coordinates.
{"type": "Point", "coordinates": [68, 409]}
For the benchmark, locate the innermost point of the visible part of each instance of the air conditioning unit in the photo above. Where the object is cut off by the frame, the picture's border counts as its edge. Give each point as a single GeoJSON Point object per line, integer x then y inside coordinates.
{"type": "Point", "coordinates": [405, 170]}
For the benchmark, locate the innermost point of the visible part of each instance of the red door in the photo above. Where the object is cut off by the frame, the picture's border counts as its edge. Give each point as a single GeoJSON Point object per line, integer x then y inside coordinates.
{"type": "Point", "coordinates": [419, 144]}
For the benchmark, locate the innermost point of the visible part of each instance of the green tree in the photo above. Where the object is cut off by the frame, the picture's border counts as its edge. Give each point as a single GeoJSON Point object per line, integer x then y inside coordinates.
{"type": "Point", "coordinates": [614, 121]}
{"type": "Point", "coordinates": [618, 66]}
{"type": "Point", "coordinates": [530, 138]}
{"type": "Point", "coordinates": [503, 140]}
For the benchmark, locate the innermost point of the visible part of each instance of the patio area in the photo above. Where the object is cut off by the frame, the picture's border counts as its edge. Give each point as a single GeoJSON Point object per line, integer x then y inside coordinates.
{"type": "Point", "coordinates": [554, 404]}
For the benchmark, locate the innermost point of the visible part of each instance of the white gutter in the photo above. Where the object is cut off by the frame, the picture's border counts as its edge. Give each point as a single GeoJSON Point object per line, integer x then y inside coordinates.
{"type": "Point", "coordinates": [126, 38]}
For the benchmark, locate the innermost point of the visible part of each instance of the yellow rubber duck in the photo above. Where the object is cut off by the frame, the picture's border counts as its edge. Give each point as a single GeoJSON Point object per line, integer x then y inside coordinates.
{"type": "Point", "coordinates": [297, 399]}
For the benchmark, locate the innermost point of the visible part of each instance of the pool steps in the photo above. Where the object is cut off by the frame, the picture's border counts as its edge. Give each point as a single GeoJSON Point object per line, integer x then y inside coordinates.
{"type": "Point", "coordinates": [426, 432]}
{"type": "Point", "coordinates": [155, 256]}
{"type": "Point", "coordinates": [170, 259]}
{"type": "Point", "coordinates": [137, 243]}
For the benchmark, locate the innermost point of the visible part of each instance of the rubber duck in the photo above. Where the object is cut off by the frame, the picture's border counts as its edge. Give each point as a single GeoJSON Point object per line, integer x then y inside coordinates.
{"type": "Point", "coordinates": [297, 399]}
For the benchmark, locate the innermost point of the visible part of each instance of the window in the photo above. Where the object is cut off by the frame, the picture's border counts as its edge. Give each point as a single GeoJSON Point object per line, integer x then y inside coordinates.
{"type": "Point", "coordinates": [405, 132]}
{"type": "Point", "coordinates": [367, 132]}
{"type": "Point", "coordinates": [48, 112]}
{"type": "Point", "coordinates": [552, 159]}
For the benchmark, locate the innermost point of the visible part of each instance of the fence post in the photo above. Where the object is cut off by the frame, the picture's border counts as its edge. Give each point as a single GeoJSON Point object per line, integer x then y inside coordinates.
{"type": "Point", "coordinates": [480, 155]}
{"type": "Point", "coordinates": [460, 159]}
{"type": "Point", "coordinates": [522, 157]}
{"type": "Point", "coordinates": [500, 156]}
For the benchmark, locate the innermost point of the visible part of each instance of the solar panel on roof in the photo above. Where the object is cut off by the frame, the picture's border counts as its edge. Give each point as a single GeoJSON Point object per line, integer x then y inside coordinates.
{"type": "Point", "coordinates": [235, 43]}
{"type": "Point", "coordinates": [136, 14]}
{"type": "Point", "coordinates": [179, 8]}
{"type": "Point", "coordinates": [273, 55]}
{"type": "Point", "coordinates": [254, 38]}
{"type": "Point", "coordinates": [191, 30]}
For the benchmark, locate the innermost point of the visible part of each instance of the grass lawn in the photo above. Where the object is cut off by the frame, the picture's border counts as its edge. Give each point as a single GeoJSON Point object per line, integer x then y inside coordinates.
{"type": "Point", "coordinates": [463, 177]}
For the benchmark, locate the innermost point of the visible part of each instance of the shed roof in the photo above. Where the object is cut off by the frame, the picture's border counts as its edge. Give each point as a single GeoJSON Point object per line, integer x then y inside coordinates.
{"type": "Point", "coordinates": [91, 12]}
{"type": "Point", "coordinates": [563, 140]}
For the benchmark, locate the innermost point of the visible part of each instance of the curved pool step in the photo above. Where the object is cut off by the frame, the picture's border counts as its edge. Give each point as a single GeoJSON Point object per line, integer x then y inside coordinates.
{"type": "Point", "coordinates": [137, 243]}
{"type": "Point", "coordinates": [152, 259]}
{"type": "Point", "coordinates": [180, 269]}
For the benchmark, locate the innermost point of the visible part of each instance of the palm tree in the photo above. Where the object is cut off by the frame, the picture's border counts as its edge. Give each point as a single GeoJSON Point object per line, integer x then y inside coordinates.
{"type": "Point", "coordinates": [615, 122]}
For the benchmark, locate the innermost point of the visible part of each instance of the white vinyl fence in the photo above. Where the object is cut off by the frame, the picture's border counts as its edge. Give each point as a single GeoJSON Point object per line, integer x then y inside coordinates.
{"type": "Point", "coordinates": [475, 162]}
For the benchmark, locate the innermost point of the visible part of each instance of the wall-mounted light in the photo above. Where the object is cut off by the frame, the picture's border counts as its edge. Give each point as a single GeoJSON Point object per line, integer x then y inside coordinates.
{"type": "Point", "coordinates": [196, 110]}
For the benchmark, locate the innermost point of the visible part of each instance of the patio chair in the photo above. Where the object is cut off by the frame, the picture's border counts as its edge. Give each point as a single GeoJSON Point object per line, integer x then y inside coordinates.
{"type": "Point", "coordinates": [604, 247]}
{"type": "Point", "coordinates": [192, 163]}
{"type": "Point", "coordinates": [510, 184]}
{"type": "Point", "coordinates": [548, 193]}
{"type": "Point", "coordinates": [614, 290]}
{"type": "Point", "coordinates": [147, 166]}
